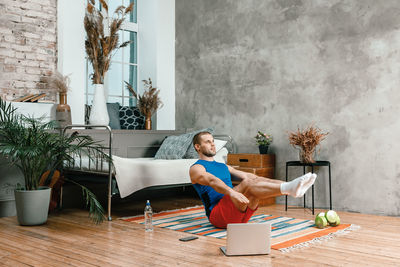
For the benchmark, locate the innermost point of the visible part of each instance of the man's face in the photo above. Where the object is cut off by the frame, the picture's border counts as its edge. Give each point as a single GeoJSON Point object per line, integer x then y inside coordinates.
{"type": "Point", "coordinates": [207, 146]}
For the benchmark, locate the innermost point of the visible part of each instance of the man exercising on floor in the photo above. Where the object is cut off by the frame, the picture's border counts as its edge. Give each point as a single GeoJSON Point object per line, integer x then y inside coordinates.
{"type": "Point", "coordinates": [227, 204]}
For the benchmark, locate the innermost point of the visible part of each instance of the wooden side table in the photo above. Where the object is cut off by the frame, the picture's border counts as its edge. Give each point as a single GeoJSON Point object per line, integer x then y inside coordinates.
{"type": "Point", "coordinates": [259, 164]}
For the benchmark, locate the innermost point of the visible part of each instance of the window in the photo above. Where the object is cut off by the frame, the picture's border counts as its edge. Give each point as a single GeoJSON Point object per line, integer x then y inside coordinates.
{"type": "Point", "coordinates": [124, 64]}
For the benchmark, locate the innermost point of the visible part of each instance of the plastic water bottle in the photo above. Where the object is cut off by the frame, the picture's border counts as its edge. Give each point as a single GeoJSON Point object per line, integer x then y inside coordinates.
{"type": "Point", "coordinates": [148, 217]}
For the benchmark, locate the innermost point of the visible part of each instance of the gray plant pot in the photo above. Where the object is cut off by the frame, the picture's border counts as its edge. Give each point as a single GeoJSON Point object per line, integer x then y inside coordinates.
{"type": "Point", "coordinates": [7, 207]}
{"type": "Point", "coordinates": [32, 206]}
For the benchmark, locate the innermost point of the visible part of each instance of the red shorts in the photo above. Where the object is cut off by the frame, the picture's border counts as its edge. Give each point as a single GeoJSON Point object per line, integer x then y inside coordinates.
{"type": "Point", "coordinates": [225, 212]}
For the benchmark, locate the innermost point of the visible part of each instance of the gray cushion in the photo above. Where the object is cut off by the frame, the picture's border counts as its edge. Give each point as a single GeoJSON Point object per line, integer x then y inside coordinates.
{"type": "Point", "coordinates": [113, 114]}
{"type": "Point", "coordinates": [174, 146]}
{"type": "Point", "coordinates": [191, 153]}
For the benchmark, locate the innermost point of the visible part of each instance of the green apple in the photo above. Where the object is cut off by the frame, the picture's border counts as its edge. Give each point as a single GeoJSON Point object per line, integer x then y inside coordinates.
{"type": "Point", "coordinates": [337, 221]}
{"type": "Point", "coordinates": [332, 218]}
{"type": "Point", "coordinates": [320, 220]}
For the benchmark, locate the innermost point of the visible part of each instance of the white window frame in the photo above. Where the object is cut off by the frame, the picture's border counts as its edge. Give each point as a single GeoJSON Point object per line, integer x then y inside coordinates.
{"type": "Point", "coordinates": [156, 54]}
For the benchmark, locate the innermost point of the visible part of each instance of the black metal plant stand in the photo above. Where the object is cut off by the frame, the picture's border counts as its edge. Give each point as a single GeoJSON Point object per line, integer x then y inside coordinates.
{"type": "Point", "coordinates": [312, 165]}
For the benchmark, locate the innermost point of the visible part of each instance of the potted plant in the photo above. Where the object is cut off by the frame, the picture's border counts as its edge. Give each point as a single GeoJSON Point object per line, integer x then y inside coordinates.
{"type": "Point", "coordinates": [149, 102]}
{"type": "Point", "coordinates": [263, 140]}
{"type": "Point", "coordinates": [39, 151]}
{"type": "Point", "coordinates": [307, 140]}
{"type": "Point", "coordinates": [101, 44]}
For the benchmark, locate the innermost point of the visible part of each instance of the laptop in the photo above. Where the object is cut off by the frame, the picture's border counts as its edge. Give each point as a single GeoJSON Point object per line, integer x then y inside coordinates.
{"type": "Point", "coordinates": [247, 239]}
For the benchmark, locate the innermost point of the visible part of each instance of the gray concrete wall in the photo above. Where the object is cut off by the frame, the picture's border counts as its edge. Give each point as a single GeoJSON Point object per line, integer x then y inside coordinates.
{"type": "Point", "coordinates": [278, 65]}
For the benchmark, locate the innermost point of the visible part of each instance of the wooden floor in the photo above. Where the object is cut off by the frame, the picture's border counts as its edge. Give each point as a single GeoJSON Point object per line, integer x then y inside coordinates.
{"type": "Point", "coordinates": [69, 238]}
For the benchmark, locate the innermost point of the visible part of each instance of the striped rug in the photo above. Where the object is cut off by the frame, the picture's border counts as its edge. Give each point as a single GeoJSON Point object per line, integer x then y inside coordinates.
{"type": "Point", "coordinates": [287, 233]}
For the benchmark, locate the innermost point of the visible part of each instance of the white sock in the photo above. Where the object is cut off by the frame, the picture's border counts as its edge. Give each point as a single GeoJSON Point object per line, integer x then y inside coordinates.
{"type": "Point", "coordinates": [308, 184]}
{"type": "Point", "coordinates": [295, 187]}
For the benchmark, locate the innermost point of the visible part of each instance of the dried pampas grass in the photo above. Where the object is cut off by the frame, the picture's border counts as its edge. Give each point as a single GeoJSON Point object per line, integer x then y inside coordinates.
{"type": "Point", "coordinates": [149, 102]}
{"type": "Point", "coordinates": [307, 140]}
{"type": "Point", "coordinates": [100, 46]}
{"type": "Point", "coordinates": [58, 81]}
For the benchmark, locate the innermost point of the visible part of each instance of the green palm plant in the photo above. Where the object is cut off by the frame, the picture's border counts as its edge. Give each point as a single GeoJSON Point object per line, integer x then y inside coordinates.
{"type": "Point", "coordinates": [36, 147]}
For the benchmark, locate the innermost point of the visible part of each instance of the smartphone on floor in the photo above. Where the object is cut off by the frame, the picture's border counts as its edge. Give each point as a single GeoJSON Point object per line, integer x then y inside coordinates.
{"type": "Point", "coordinates": [188, 238]}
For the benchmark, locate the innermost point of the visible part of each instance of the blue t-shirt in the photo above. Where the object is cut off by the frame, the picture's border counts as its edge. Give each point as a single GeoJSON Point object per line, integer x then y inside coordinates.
{"type": "Point", "coordinates": [208, 195]}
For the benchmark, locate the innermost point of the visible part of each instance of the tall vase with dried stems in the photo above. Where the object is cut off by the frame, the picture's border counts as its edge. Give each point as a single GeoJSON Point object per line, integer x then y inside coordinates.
{"type": "Point", "coordinates": [63, 111]}
{"type": "Point", "coordinates": [101, 43]}
{"type": "Point", "coordinates": [98, 113]}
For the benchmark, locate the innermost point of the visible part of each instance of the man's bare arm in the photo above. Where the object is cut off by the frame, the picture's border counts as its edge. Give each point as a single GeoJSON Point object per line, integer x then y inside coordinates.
{"type": "Point", "coordinates": [199, 175]}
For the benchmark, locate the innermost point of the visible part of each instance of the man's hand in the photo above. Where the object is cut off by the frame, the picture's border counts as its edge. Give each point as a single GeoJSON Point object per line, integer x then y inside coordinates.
{"type": "Point", "coordinates": [199, 175]}
{"type": "Point", "coordinates": [239, 200]}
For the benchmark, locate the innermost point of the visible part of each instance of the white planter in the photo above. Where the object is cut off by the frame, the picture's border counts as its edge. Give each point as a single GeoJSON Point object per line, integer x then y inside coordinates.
{"type": "Point", "coordinates": [98, 113]}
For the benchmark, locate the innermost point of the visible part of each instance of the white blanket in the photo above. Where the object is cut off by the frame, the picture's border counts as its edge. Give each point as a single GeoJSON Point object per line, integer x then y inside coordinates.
{"type": "Point", "coordinates": [133, 174]}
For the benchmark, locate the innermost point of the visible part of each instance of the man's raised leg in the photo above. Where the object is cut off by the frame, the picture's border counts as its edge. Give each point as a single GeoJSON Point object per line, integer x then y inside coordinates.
{"type": "Point", "coordinates": [260, 188]}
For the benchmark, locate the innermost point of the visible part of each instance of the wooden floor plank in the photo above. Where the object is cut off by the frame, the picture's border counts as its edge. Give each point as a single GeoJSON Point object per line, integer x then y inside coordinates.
{"type": "Point", "coordinates": [164, 241]}
{"type": "Point", "coordinates": [7, 261]}
{"type": "Point", "coordinates": [70, 239]}
{"type": "Point", "coordinates": [41, 253]}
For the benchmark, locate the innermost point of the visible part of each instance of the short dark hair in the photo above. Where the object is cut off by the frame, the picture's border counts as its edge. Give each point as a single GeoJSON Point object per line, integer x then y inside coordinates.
{"type": "Point", "coordinates": [197, 137]}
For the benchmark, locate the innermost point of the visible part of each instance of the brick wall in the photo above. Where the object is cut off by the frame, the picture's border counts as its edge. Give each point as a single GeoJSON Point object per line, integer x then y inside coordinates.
{"type": "Point", "coordinates": [28, 46]}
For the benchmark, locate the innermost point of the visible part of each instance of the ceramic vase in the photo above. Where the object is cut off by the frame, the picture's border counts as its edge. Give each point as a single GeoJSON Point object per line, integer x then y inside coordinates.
{"type": "Point", "coordinates": [99, 113]}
